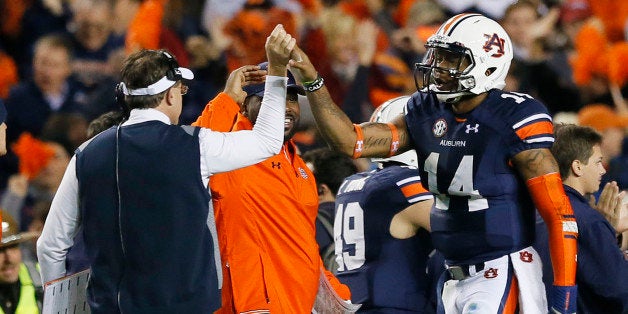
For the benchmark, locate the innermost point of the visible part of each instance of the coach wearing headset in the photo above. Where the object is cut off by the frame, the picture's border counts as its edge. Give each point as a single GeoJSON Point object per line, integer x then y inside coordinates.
{"type": "Point", "coordinates": [139, 192]}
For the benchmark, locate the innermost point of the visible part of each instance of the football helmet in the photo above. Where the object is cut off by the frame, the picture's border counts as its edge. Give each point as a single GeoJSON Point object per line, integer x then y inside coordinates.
{"type": "Point", "coordinates": [386, 112]}
{"type": "Point", "coordinates": [469, 54]}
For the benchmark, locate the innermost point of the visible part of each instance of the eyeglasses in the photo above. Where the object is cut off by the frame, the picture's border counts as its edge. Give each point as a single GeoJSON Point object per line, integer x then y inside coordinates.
{"type": "Point", "coordinates": [184, 89]}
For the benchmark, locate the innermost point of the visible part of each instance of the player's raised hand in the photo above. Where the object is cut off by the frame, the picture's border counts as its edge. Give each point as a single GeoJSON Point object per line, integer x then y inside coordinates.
{"type": "Point", "coordinates": [245, 75]}
{"type": "Point", "coordinates": [301, 66]}
{"type": "Point", "coordinates": [279, 45]}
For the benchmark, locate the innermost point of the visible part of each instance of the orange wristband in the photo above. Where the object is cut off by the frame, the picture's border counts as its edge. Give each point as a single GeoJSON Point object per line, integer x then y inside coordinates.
{"type": "Point", "coordinates": [394, 145]}
{"type": "Point", "coordinates": [359, 142]}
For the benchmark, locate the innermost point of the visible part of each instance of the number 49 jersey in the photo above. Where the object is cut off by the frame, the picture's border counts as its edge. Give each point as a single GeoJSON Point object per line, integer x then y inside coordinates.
{"type": "Point", "coordinates": [382, 272]}
{"type": "Point", "coordinates": [482, 209]}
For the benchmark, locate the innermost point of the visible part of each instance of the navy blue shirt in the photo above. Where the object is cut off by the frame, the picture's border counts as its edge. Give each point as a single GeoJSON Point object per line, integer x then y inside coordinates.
{"type": "Point", "coordinates": [482, 209]}
{"type": "Point", "coordinates": [602, 273]}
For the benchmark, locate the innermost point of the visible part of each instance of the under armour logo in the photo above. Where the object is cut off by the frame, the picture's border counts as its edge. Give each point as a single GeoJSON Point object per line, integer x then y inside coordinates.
{"type": "Point", "coordinates": [475, 128]}
{"type": "Point", "coordinates": [490, 273]}
{"type": "Point", "coordinates": [525, 256]}
{"type": "Point", "coordinates": [278, 165]}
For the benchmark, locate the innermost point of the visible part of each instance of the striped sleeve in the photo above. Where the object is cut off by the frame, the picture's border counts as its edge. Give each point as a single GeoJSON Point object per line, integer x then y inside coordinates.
{"type": "Point", "coordinates": [536, 128]}
{"type": "Point", "coordinates": [413, 190]}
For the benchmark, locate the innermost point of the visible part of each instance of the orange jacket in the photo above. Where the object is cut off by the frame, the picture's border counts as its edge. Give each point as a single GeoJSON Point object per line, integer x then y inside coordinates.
{"type": "Point", "coordinates": [265, 217]}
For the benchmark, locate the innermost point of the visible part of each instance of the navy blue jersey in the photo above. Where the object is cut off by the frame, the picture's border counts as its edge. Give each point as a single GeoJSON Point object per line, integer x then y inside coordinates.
{"type": "Point", "coordinates": [382, 272]}
{"type": "Point", "coordinates": [482, 207]}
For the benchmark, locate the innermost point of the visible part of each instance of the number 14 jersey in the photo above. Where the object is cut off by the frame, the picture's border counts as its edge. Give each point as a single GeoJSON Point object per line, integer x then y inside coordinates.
{"type": "Point", "coordinates": [482, 209]}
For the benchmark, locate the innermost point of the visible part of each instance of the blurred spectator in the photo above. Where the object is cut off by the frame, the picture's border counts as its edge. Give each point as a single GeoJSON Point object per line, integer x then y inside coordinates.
{"type": "Point", "coordinates": [247, 29]}
{"type": "Point", "coordinates": [423, 19]}
{"type": "Point", "coordinates": [148, 29]}
{"type": "Point", "coordinates": [175, 26]}
{"type": "Point", "coordinates": [93, 38]}
{"type": "Point", "coordinates": [343, 49]}
{"type": "Point", "coordinates": [531, 70]}
{"type": "Point", "coordinates": [573, 14]}
{"type": "Point", "coordinates": [51, 90]}
{"type": "Point", "coordinates": [95, 50]}
{"type": "Point", "coordinates": [123, 13]}
{"type": "Point", "coordinates": [37, 18]}
{"type": "Point", "coordinates": [21, 288]}
{"type": "Point", "coordinates": [42, 165]}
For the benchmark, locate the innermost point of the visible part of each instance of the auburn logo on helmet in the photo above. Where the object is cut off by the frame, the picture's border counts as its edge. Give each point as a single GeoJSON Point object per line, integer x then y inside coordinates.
{"type": "Point", "coordinates": [494, 40]}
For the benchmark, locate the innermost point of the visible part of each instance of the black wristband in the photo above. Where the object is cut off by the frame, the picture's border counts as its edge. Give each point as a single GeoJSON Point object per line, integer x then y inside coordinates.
{"type": "Point", "coordinates": [314, 85]}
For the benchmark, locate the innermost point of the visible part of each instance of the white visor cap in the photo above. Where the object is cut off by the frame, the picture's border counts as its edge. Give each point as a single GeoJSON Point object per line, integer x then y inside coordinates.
{"type": "Point", "coordinates": [158, 87]}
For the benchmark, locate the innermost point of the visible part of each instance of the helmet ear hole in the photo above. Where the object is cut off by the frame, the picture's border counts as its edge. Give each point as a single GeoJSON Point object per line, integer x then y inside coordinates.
{"type": "Point", "coordinates": [490, 71]}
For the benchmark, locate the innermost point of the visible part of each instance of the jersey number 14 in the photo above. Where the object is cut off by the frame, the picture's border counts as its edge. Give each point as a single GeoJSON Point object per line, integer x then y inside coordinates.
{"type": "Point", "coordinates": [461, 184]}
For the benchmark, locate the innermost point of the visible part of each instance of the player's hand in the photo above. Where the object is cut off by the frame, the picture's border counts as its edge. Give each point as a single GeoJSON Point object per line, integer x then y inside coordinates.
{"type": "Point", "coordinates": [279, 45]}
{"type": "Point", "coordinates": [563, 299]}
{"type": "Point", "coordinates": [301, 66]}
{"type": "Point", "coordinates": [245, 75]}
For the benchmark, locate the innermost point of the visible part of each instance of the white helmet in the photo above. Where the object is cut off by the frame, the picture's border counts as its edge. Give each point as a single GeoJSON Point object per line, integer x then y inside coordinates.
{"type": "Point", "coordinates": [386, 112]}
{"type": "Point", "coordinates": [484, 44]}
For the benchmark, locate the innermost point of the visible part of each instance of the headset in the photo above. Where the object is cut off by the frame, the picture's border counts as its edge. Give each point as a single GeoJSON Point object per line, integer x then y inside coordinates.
{"type": "Point", "coordinates": [173, 73]}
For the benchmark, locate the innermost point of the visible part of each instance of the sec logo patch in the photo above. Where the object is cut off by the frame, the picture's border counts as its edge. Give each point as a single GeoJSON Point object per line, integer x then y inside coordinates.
{"type": "Point", "coordinates": [439, 128]}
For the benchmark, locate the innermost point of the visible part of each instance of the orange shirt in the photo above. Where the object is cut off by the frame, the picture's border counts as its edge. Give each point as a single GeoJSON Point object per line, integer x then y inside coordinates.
{"type": "Point", "coordinates": [265, 217]}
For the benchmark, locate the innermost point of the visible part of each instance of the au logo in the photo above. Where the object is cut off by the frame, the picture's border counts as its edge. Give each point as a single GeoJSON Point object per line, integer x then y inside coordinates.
{"type": "Point", "coordinates": [525, 256]}
{"type": "Point", "coordinates": [490, 273]}
{"type": "Point", "coordinates": [494, 41]}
